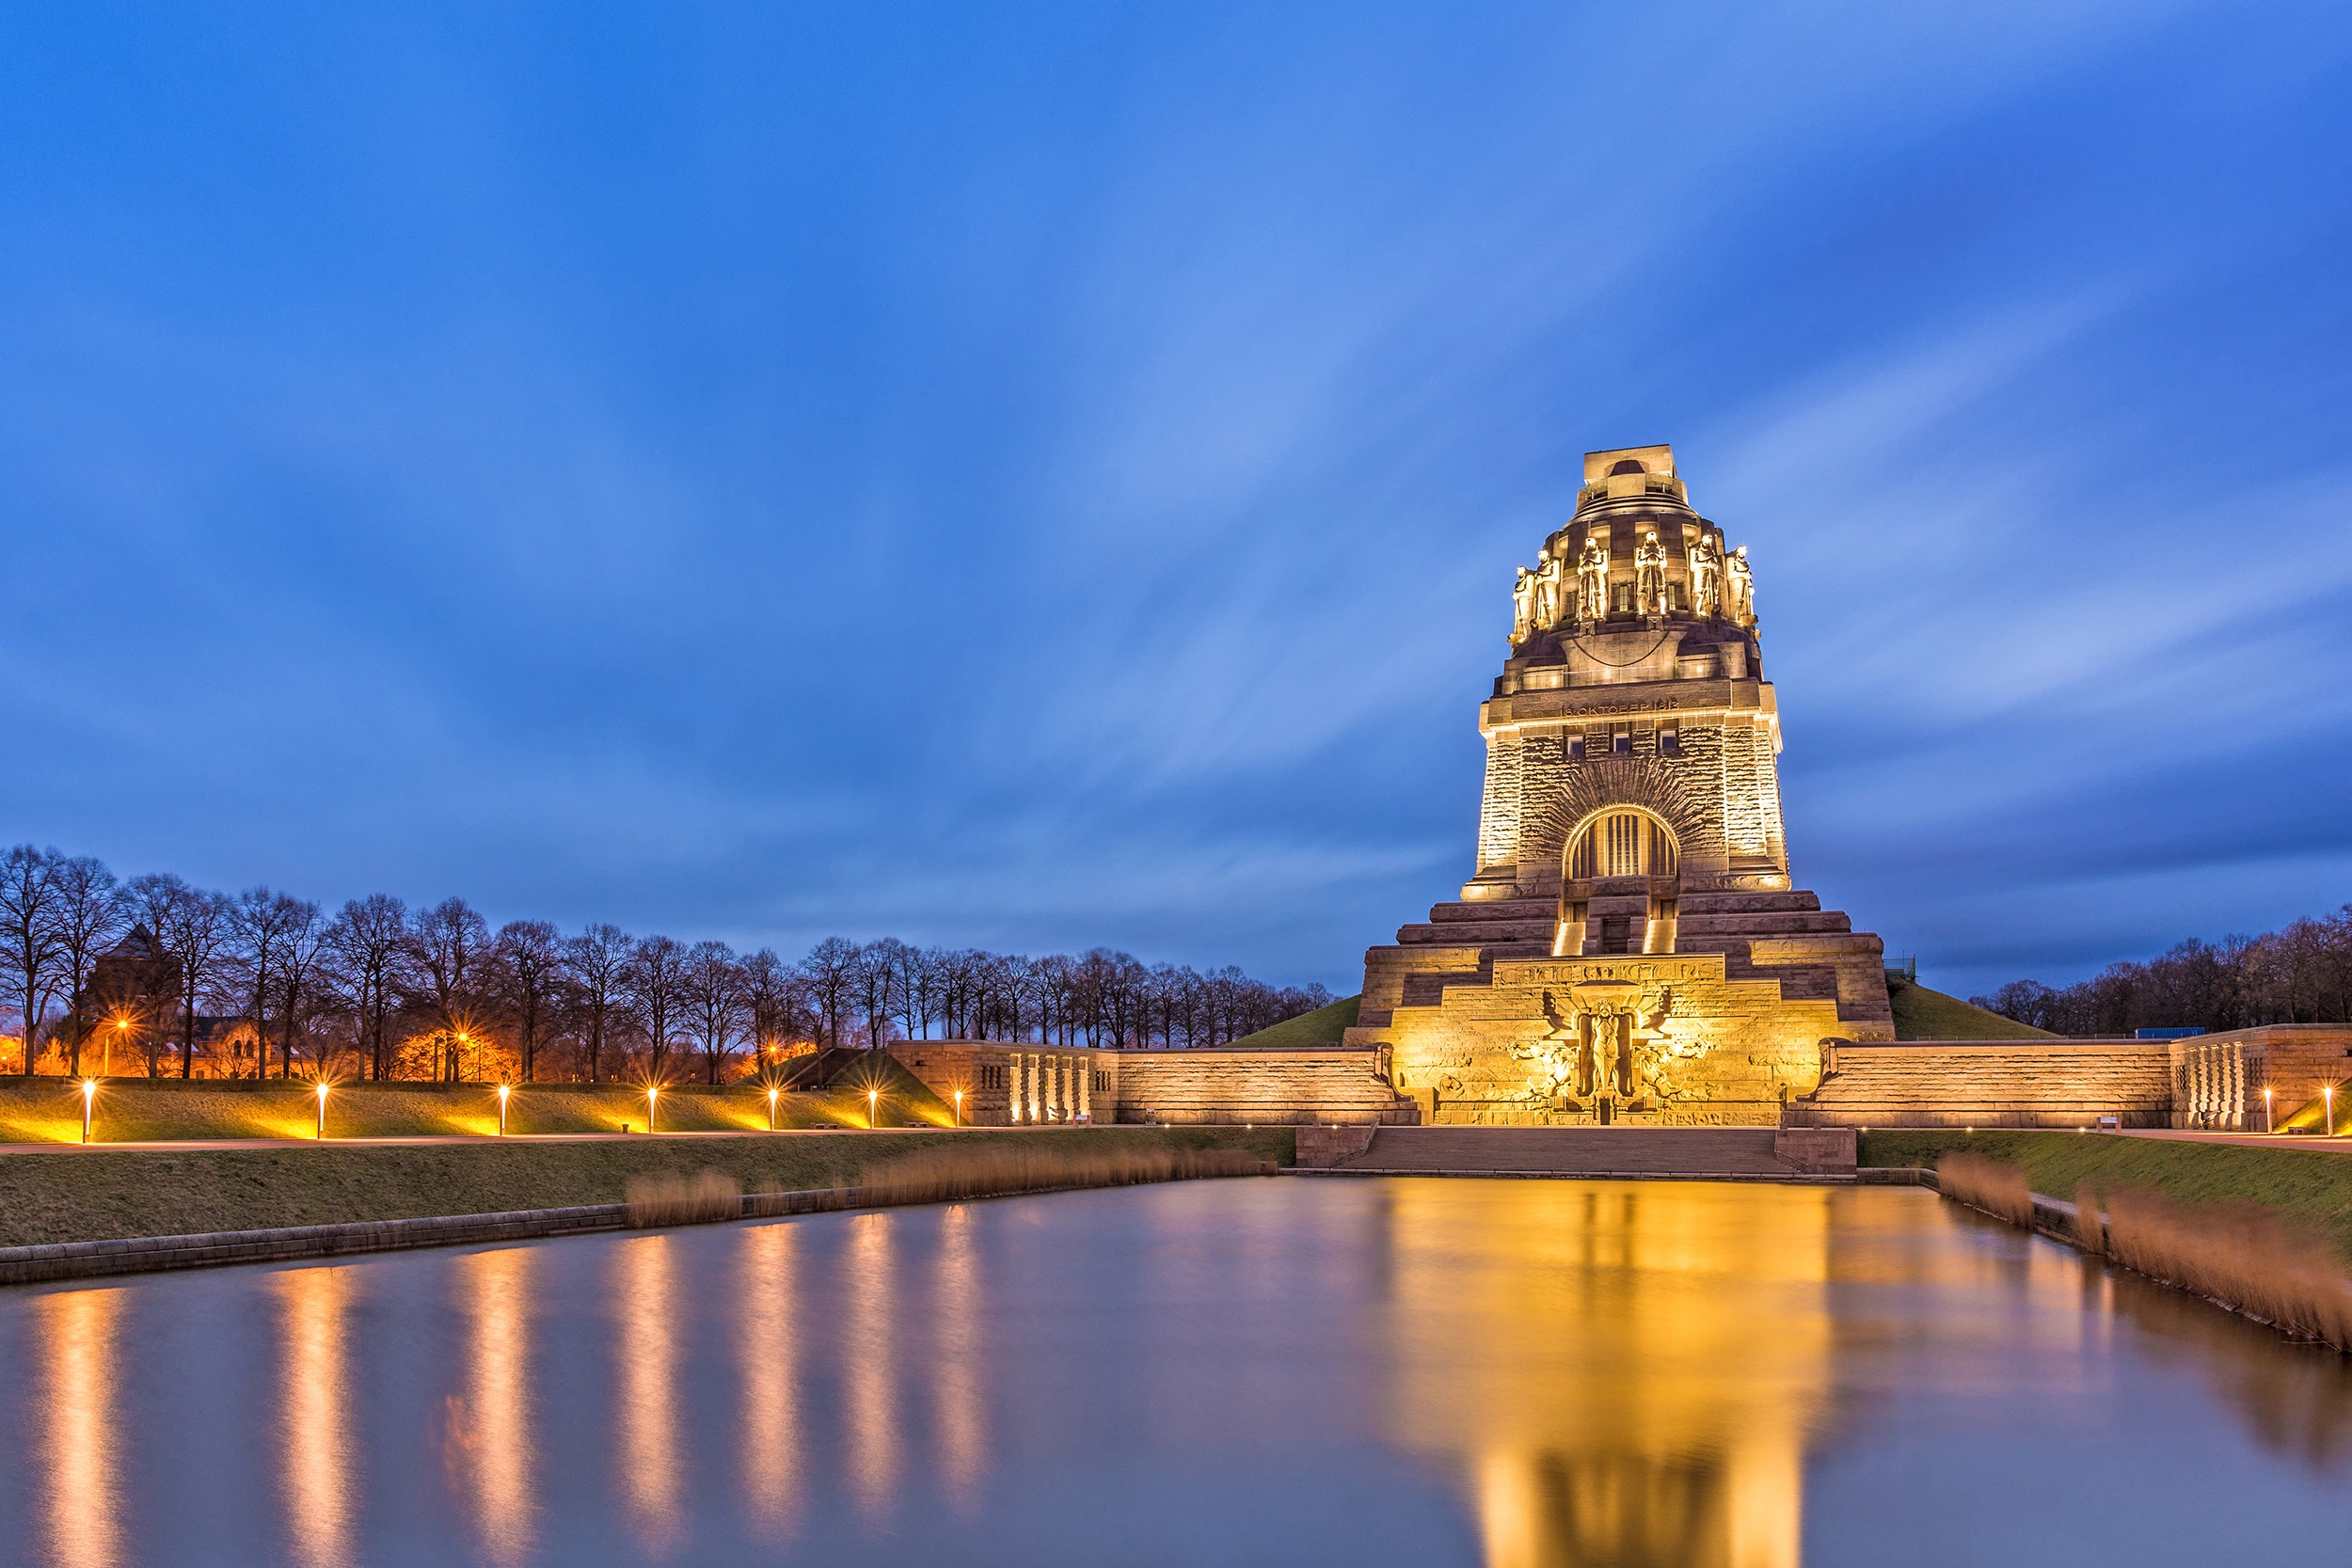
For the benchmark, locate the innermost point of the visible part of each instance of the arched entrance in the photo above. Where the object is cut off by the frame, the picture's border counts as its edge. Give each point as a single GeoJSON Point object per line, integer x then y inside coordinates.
{"type": "Point", "coordinates": [1620, 885]}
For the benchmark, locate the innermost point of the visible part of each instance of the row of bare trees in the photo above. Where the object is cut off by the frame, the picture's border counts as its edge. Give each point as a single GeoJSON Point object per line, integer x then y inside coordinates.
{"type": "Point", "coordinates": [158, 976]}
{"type": "Point", "coordinates": [2299, 973]}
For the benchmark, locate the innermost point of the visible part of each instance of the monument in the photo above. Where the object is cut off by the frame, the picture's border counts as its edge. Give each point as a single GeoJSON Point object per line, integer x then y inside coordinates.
{"type": "Point", "coordinates": [1629, 948]}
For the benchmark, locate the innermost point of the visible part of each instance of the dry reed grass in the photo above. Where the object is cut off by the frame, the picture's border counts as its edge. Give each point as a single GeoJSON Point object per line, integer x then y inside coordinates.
{"type": "Point", "coordinates": [681, 1200]}
{"type": "Point", "coordinates": [2000, 1190]}
{"type": "Point", "coordinates": [2242, 1255]}
{"type": "Point", "coordinates": [985, 1170]}
{"type": "Point", "coordinates": [2088, 1233]}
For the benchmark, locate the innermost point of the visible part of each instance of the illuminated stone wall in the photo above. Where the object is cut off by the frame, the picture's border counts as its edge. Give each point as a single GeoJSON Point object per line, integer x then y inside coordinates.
{"type": "Point", "coordinates": [1277, 1086]}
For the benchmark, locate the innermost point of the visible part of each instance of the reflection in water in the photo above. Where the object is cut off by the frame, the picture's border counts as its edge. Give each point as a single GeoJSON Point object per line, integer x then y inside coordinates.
{"type": "Point", "coordinates": [648, 1453]}
{"type": "Point", "coordinates": [956, 1300]}
{"type": "Point", "coordinates": [1631, 1381]}
{"type": "Point", "coordinates": [871, 1380]}
{"type": "Point", "coordinates": [489, 1447]}
{"type": "Point", "coordinates": [76, 1405]}
{"type": "Point", "coordinates": [314, 1466]}
{"type": "Point", "coordinates": [772, 1421]}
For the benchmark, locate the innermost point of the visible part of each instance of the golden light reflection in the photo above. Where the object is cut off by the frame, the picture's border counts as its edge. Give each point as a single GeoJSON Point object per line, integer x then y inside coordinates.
{"type": "Point", "coordinates": [963, 1405]}
{"type": "Point", "coordinates": [76, 1405]}
{"type": "Point", "coordinates": [771, 1417]}
{"type": "Point", "coordinates": [1631, 1381]}
{"type": "Point", "coordinates": [316, 1476]}
{"type": "Point", "coordinates": [870, 1369]}
{"type": "Point", "coordinates": [491, 1448]}
{"type": "Point", "coordinates": [648, 1455]}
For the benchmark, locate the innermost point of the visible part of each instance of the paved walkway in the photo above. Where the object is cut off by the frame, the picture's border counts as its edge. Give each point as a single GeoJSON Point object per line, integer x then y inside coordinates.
{"type": "Point", "coordinates": [166, 1145]}
{"type": "Point", "coordinates": [2312, 1142]}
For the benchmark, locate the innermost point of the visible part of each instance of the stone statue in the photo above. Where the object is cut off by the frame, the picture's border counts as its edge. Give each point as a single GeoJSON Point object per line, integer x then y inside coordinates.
{"type": "Point", "coordinates": [1738, 588]}
{"type": "Point", "coordinates": [1547, 600]}
{"type": "Point", "coordinates": [1705, 578]}
{"type": "Point", "coordinates": [1649, 575]}
{"type": "Point", "coordinates": [1592, 579]}
{"type": "Point", "coordinates": [1523, 606]}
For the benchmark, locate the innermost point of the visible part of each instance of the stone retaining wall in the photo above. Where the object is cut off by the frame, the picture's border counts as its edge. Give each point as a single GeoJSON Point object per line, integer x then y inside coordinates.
{"type": "Point", "coordinates": [1338, 1085]}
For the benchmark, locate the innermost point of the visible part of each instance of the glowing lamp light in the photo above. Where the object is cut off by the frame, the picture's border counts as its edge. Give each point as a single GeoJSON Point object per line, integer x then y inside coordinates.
{"type": "Point", "coordinates": [771, 1110]}
{"type": "Point", "coordinates": [959, 1107]}
{"type": "Point", "coordinates": [873, 1100]}
{"type": "Point", "coordinates": [2268, 1125]}
{"type": "Point", "coordinates": [321, 1135]}
{"type": "Point", "coordinates": [2327, 1092]}
{"type": "Point", "coordinates": [504, 1090]}
{"type": "Point", "coordinates": [653, 1100]}
{"type": "Point", "coordinates": [90, 1101]}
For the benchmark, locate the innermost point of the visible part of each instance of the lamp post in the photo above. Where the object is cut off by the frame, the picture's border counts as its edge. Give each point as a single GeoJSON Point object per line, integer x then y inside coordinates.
{"type": "Point", "coordinates": [2269, 1126]}
{"type": "Point", "coordinates": [504, 1090]}
{"type": "Point", "coordinates": [89, 1101]}
{"type": "Point", "coordinates": [873, 1100]}
{"type": "Point", "coordinates": [653, 1100]}
{"type": "Point", "coordinates": [959, 1107]}
{"type": "Point", "coordinates": [2328, 1094]}
{"type": "Point", "coordinates": [321, 1135]}
{"type": "Point", "coordinates": [771, 1110]}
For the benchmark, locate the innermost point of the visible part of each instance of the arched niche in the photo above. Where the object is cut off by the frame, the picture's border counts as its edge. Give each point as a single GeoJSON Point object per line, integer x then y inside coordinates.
{"type": "Point", "coordinates": [1619, 853]}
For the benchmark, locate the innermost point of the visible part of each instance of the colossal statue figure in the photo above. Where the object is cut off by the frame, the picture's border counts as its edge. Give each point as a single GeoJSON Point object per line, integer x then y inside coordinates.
{"type": "Point", "coordinates": [1546, 603]}
{"type": "Point", "coordinates": [1592, 580]}
{"type": "Point", "coordinates": [1705, 578]}
{"type": "Point", "coordinates": [1738, 588]}
{"type": "Point", "coordinates": [1649, 575]}
{"type": "Point", "coordinates": [1523, 606]}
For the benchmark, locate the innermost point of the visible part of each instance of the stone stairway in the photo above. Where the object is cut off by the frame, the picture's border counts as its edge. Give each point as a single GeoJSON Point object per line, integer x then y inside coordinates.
{"type": "Point", "coordinates": [1587, 1152]}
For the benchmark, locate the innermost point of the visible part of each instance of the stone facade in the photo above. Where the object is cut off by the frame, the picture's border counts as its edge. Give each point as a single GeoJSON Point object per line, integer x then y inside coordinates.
{"type": "Point", "coordinates": [1008, 1083]}
{"type": "Point", "coordinates": [1630, 946]}
{"type": "Point", "coordinates": [1004, 1084]}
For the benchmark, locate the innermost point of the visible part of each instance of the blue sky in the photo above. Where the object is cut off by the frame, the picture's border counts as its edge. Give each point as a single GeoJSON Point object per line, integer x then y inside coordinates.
{"type": "Point", "coordinates": [1032, 478]}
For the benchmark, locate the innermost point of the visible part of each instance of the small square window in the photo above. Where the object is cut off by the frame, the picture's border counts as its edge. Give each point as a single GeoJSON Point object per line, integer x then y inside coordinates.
{"type": "Point", "coordinates": [1669, 743]}
{"type": "Point", "coordinates": [1576, 749]}
{"type": "Point", "coordinates": [1622, 743]}
{"type": "Point", "coordinates": [1623, 600]}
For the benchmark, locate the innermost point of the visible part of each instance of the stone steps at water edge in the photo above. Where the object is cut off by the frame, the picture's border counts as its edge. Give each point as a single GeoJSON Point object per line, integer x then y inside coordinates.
{"type": "Point", "coordinates": [1573, 1150]}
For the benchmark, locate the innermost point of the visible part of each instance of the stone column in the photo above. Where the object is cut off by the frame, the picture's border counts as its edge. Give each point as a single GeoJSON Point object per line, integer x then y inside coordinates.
{"type": "Point", "coordinates": [1037, 1067]}
{"type": "Point", "coordinates": [1086, 1088]}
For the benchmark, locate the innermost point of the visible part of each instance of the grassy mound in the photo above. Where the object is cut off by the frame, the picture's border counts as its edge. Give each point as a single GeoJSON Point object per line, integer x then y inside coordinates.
{"type": "Point", "coordinates": [88, 1195]}
{"type": "Point", "coordinates": [1324, 1026]}
{"type": "Point", "coordinates": [2309, 1186]}
{"type": "Point", "coordinates": [1922, 1014]}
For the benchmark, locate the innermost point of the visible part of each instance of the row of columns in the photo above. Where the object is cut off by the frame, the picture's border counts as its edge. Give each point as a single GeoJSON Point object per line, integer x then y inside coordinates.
{"type": "Point", "coordinates": [1051, 1086]}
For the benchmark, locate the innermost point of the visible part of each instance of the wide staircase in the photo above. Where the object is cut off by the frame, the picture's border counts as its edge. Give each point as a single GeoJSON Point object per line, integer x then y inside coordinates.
{"type": "Point", "coordinates": [1715, 1152]}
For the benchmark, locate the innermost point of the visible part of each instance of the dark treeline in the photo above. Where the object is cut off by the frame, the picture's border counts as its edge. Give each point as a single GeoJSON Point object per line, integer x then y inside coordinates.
{"type": "Point", "coordinates": [2301, 973]}
{"type": "Point", "coordinates": [152, 975]}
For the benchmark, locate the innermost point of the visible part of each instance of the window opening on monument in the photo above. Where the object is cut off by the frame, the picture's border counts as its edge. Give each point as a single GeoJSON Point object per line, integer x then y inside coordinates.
{"type": "Point", "coordinates": [1622, 743]}
{"type": "Point", "coordinates": [1623, 601]}
{"type": "Point", "coordinates": [1576, 749]}
{"type": "Point", "coordinates": [1623, 844]}
{"type": "Point", "coordinates": [1669, 743]}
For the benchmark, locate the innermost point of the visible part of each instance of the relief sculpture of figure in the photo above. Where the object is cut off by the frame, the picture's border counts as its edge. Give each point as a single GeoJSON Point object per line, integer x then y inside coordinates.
{"type": "Point", "coordinates": [1706, 578]}
{"type": "Point", "coordinates": [1738, 588]}
{"type": "Point", "coordinates": [1546, 601]}
{"type": "Point", "coordinates": [1592, 580]}
{"type": "Point", "coordinates": [1649, 575]}
{"type": "Point", "coordinates": [1523, 606]}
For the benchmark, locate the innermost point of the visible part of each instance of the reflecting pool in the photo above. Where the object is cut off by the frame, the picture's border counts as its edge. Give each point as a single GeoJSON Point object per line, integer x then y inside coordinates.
{"type": "Point", "coordinates": [1515, 1373]}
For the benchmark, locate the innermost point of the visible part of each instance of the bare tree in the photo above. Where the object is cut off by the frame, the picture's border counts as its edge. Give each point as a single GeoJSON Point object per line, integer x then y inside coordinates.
{"type": "Point", "coordinates": [29, 926]}
{"type": "Point", "coordinates": [712, 987]}
{"type": "Point", "coordinates": [531, 961]}
{"type": "Point", "coordinates": [594, 961]}
{"type": "Point", "coordinates": [451, 944]}
{"type": "Point", "coordinates": [258, 923]}
{"type": "Point", "coordinates": [89, 905]}
{"type": "Point", "coordinates": [875, 979]}
{"type": "Point", "coordinates": [773, 1000]}
{"type": "Point", "coordinates": [653, 981]}
{"type": "Point", "coordinates": [831, 966]}
{"type": "Point", "coordinates": [305, 945]}
{"type": "Point", "coordinates": [193, 925]}
{"type": "Point", "coordinates": [370, 944]}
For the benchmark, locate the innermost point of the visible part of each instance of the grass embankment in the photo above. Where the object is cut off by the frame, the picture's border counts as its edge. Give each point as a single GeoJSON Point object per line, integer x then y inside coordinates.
{"type": "Point", "coordinates": [2309, 1188]}
{"type": "Point", "coordinates": [140, 1110]}
{"type": "Point", "coordinates": [1324, 1026]}
{"type": "Point", "coordinates": [1923, 1014]}
{"type": "Point", "coordinates": [86, 1195]}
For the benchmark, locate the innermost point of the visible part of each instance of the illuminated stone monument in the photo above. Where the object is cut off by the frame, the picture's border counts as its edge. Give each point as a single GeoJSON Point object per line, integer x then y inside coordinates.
{"type": "Point", "coordinates": [1629, 948]}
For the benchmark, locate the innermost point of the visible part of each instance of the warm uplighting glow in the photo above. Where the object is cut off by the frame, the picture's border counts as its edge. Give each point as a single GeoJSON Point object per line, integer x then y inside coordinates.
{"type": "Point", "coordinates": [321, 1134]}
{"type": "Point", "coordinates": [873, 1097]}
{"type": "Point", "coordinates": [653, 1102]}
{"type": "Point", "coordinates": [771, 1110]}
{"type": "Point", "coordinates": [504, 1090]}
{"type": "Point", "coordinates": [89, 1101]}
{"type": "Point", "coordinates": [959, 1107]}
{"type": "Point", "coordinates": [2268, 1125]}
{"type": "Point", "coordinates": [2327, 1092]}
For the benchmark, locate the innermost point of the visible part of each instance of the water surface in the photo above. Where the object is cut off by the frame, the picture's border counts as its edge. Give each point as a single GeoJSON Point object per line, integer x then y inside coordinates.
{"type": "Point", "coordinates": [1509, 1372]}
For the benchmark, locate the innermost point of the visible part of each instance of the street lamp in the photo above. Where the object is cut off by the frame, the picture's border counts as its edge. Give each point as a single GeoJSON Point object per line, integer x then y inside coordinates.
{"type": "Point", "coordinates": [2269, 1126]}
{"type": "Point", "coordinates": [2327, 1092]}
{"type": "Point", "coordinates": [653, 1100]}
{"type": "Point", "coordinates": [321, 1127]}
{"type": "Point", "coordinates": [771, 1110]}
{"type": "Point", "coordinates": [959, 1107]}
{"type": "Point", "coordinates": [873, 1097]}
{"type": "Point", "coordinates": [504, 1090]}
{"type": "Point", "coordinates": [89, 1099]}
